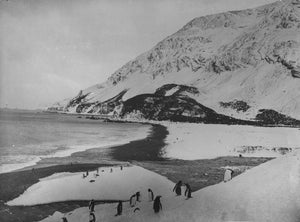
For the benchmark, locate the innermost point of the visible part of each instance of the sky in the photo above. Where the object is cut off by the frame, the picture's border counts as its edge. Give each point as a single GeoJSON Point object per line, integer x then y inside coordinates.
{"type": "Point", "coordinates": [51, 49]}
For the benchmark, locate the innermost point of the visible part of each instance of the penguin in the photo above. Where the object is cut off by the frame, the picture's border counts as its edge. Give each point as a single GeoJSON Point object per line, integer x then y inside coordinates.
{"type": "Point", "coordinates": [138, 195]}
{"type": "Point", "coordinates": [188, 191]}
{"type": "Point", "coordinates": [132, 200]}
{"type": "Point", "coordinates": [150, 195]}
{"type": "Point", "coordinates": [92, 217]}
{"type": "Point", "coordinates": [157, 204]}
{"type": "Point", "coordinates": [177, 188]}
{"type": "Point", "coordinates": [119, 208]}
{"type": "Point", "coordinates": [92, 205]}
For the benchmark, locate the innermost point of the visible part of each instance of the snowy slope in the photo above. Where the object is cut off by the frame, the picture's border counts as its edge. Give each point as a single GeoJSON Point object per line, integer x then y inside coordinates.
{"type": "Point", "coordinates": [251, 55]}
{"type": "Point", "coordinates": [269, 192]}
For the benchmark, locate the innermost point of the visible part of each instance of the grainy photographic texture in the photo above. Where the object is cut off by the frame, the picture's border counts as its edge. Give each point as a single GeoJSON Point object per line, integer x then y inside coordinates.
{"type": "Point", "coordinates": [140, 111]}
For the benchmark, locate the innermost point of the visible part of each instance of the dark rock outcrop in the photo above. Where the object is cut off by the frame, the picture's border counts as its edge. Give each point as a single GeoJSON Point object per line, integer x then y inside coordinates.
{"type": "Point", "coordinates": [237, 105]}
{"type": "Point", "coordinates": [271, 117]}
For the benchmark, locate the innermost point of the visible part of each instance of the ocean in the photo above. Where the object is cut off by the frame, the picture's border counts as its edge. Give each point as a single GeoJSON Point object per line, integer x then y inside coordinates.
{"type": "Point", "coordinates": [26, 137]}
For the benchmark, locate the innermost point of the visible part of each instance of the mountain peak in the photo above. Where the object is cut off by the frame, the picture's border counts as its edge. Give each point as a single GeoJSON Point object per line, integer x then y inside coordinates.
{"type": "Point", "coordinates": [251, 56]}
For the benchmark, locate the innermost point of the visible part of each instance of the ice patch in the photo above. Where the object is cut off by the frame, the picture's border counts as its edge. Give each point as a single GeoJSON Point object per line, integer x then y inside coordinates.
{"type": "Point", "coordinates": [116, 185]}
{"type": "Point", "coordinates": [171, 91]}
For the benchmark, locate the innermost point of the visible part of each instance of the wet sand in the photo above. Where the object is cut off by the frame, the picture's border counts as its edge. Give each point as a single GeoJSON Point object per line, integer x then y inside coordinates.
{"type": "Point", "coordinates": [146, 153]}
{"type": "Point", "coordinates": [148, 149]}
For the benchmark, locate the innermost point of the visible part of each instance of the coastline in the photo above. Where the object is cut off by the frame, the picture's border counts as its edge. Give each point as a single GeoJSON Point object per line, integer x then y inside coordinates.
{"type": "Point", "coordinates": [146, 153]}
{"type": "Point", "coordinates": [147, 149]}
{"type": "Point", "coordinates": [63, 156]}
{"type": "Point", "coordinates": [13, 184]}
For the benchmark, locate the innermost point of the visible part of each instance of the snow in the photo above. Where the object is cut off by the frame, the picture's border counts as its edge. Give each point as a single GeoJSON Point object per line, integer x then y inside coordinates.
{"type": "Point", "coordinates": [191, 141]}
{"type": "Point", "coordinates": [269, 192]}
{"type": "Point", "coordinates": [246, 45]}
{"type": "Point", "coordinates": [118, 185]}
{"type": "Point", "coordinates": [241, 48]}
{"type": "Point", "coordinates": [172, 91]}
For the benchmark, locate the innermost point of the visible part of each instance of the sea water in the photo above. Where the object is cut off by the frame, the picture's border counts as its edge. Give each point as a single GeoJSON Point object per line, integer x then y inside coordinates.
{"type": "Point", "coordinates": [27, 136]}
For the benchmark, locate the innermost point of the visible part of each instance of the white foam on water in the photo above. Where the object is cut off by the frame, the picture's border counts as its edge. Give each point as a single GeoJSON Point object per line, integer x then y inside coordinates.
{"type": "Point", "coordinates": [32, 160]}
{"type": "Point", "coordinates": [26, 139]}
{"type": "Point", "coordinates": [5, 168]}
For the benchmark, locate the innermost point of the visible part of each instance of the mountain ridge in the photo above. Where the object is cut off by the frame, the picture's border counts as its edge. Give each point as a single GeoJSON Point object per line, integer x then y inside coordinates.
{"type": "Point", "coordinates": [249, 55]}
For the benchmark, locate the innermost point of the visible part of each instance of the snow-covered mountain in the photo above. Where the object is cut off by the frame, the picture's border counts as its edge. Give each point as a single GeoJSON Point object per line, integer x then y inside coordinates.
{"type": "Point", "coordinates": [234, 63]}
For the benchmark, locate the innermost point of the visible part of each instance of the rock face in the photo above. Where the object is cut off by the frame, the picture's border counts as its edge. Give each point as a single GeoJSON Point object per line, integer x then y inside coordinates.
{"type": "Point", "coordinates": [272, 117]}
{"type": "Point", "coordinates": [251, 55]}
{"type": "Point", "coordinates": [239, 106]}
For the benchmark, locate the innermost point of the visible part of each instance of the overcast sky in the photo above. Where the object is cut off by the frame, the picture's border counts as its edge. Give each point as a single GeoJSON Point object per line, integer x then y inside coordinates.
{"type": "Point", "coordinates": [50, 49]}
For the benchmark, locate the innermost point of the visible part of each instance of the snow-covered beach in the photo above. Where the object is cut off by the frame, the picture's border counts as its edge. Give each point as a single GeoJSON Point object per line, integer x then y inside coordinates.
{"type": "Point", "coordinates": [140, 111]}
{"type": "Point", "coordinates": [214, 203]}
{"type": "Point", "coordinates": [268, 192]}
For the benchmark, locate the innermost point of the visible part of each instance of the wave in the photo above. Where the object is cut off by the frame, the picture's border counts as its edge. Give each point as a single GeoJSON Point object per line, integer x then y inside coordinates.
{"type": "Point", "coordinates": [17, 162]}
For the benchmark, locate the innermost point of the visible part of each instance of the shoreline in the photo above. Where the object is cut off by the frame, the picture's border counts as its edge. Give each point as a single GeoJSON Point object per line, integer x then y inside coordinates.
{"type": "Point", "coordinates": [264, 121]}
{"type": "Point", "coordinates": [147, 149]}
{"type": "Point", "coordinates": [54, 159]}
{"type": "Point", "coordinates": [14, 183]}
{"type": "Point", "coordinates": [144, 152]}
{"type": "Point", "coordinates": [155, 155]}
